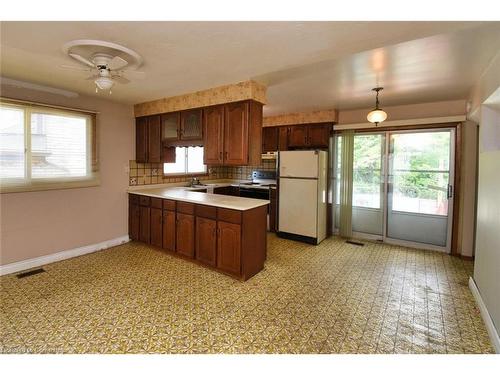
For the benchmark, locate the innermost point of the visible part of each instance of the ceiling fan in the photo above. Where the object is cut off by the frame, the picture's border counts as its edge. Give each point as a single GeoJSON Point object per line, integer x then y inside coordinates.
{"type": "Point", "coordinates": [105, 69]}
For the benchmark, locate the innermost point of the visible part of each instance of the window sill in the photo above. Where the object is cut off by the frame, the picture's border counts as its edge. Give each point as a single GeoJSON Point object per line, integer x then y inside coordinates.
{"type": "Point", "coordinates": [47, 185]}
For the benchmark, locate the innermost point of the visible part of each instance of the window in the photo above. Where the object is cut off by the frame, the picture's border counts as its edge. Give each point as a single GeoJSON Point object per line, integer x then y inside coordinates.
{"type": "Point", "coordinates": [45, 148]}
{"type": "Point", "coordinates": [188, 160]}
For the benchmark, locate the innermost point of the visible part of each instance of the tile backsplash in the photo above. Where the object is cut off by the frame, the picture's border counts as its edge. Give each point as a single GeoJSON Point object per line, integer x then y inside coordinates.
{"type": "Point", "coordinates": [152, 173]}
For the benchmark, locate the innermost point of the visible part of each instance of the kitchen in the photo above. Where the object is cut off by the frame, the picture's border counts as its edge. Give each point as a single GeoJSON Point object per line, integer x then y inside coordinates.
{"type": "Point", "coordinates": [229, 135]}
{"type": "Point", "coordinates": [192, 188]}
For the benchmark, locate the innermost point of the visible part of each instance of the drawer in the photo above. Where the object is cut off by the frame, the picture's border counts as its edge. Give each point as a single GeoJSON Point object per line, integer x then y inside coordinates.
{"type": "Point", "coordinates": [230, 216]}
{"type": "Point", "coordinates": [156, 202]}
{"type": "Point", "coordinates": [206, 211]}
{"type": "Point", "coordinates": [133, 199]}
{"type": "Point", "coordinates": [168, 205]}
{"type": "Point", "coordinates": [144, 201]}
{"type": "Point", "coordinates": [185, 208]}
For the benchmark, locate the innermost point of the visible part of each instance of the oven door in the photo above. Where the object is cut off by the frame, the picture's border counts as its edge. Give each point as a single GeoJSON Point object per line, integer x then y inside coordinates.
{"type": "Point", "coordinates": [254, 193]}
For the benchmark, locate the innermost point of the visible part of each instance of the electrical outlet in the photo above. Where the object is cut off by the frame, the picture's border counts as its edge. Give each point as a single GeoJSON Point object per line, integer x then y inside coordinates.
{"type": "Point", "coordinates": [133, 181]}
{"type": "Point", "coordinates": [154, 172]}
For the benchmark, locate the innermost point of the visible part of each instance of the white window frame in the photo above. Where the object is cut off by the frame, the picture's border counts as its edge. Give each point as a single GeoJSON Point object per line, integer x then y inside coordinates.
{"type": "Point", "coordinates": [186, 173]}
{"type": "Point", "coordinates": [27, 183]}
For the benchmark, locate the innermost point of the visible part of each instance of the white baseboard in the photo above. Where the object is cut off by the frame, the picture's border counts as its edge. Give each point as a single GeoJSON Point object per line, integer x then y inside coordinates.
{"type": "Point", "coordinates": [66, 254]}
{"type": "Point", "coordinates": [490, 327]}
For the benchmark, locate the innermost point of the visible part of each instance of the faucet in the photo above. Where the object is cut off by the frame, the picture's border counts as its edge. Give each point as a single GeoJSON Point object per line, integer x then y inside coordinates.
{"type": "Point", "coordinates": [195, 181]}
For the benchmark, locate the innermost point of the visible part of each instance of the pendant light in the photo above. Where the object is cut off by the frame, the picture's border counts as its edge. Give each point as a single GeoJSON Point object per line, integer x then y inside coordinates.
{"type": "Point", "coordinates": [377, 115]}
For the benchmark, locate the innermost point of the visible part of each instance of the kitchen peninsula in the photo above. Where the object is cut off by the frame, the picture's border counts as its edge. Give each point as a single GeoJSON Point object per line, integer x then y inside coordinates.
{"type": "Point", "coordinates": [225, 233]}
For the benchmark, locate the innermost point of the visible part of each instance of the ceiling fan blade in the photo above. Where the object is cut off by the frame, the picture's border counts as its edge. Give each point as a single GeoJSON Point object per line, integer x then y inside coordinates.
{"type": "Point", "coordinates": [120, 79]}
{"type": "Point", "coordinates": [117, 63]}
{"type": "Point", "coordinates": [77, 68]}
{"type": "Point", "coordinates": [82, 59]}
{"type": "Point", "coordinates": [134, 74]}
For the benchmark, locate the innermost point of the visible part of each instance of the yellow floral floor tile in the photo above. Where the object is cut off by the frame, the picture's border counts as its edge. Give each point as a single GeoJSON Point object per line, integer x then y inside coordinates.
{"type": "Point", "coordinates": [330, 298]}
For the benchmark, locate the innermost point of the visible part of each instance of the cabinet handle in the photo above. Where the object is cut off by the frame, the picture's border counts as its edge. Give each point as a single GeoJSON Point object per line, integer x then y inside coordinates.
{"type": "Point", "coordinates": [220, 157]}
{"type": "Point", "coordinates": [225, 155]}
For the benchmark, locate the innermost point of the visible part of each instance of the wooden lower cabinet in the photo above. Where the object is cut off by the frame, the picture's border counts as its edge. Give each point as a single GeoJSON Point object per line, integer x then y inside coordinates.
{"type": "Point", "coordinates": [168, 230]}
{"type": "Point", "coordinates": [144, 225]}
{"type": "Point", "coordinates": [185, 235]}
{"type": "Point", "coordinates": [228, 240]}
{"type": "Point", "coordinates": [156, 226]}
{"type": "Point", "coordinates": [134, 219]}
{"type": "Point", "coordinates": [206, 240]}
{"type": "Point", "coordinates": [229, 247]}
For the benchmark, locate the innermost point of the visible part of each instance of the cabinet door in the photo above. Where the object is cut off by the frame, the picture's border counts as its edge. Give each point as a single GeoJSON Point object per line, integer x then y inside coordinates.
{"type": "Point", "coordinates": [154, 139]}
{"type": "Point", "coordinates": [318, 135]}
{"type": "Point", "coordinates": [141, 140]}
{"type": "Point", "coordinates": [270, 139]}
{"type": "Point", "coordinates": [213, 125]}
{"type": "Point", "coordinates": [297, 136]}
{"type": "Point", "coordinates": [283, 138]}
{"type": "Point", "coordinates": [229, 247]}
{"type": "Point", "coordinates": [191, 125]}
{"type": "Point", "coordinates": [206, 240]}
{"type": "Point", "coordinates": [170, 125]}
{"type": "Point", "coordinates": [145, 217]}
{"type": "Point", "coordinates": [156, 227]}
{"type": "Point", "coordinates": [236, 134]}
{"type": "Point", "coordinates": [169, 230]}
{"type": "Point", "coordinates": [134, 222]}
{"type": "Point", "coordinates": [185, 235]}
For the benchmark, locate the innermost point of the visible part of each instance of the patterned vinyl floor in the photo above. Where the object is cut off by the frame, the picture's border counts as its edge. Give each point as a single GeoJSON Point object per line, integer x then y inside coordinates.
{"type": "Point", "coordinates": [331, 298]}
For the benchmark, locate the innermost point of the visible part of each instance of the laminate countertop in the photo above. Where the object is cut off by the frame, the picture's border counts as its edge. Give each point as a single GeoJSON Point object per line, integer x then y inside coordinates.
{"type": "Point", "coordinates": [186, 194]}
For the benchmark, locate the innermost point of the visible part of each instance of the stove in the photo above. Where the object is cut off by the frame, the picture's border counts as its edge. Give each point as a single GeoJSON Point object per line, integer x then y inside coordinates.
{"type": "Point", "coordinates": [262, 181]}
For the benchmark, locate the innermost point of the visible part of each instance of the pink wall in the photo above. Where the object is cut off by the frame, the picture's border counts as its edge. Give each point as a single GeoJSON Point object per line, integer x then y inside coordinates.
{"type": "Point", "coordinates": [34, 224]}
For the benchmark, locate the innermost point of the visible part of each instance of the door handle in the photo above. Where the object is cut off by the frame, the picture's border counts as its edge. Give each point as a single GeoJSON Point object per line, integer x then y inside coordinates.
{"type": "Point", "coordinates": [449, 193]}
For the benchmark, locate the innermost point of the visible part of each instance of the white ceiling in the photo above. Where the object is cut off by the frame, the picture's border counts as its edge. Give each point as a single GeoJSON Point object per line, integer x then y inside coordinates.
{"type": "Point", "coordinates": [307, 65]}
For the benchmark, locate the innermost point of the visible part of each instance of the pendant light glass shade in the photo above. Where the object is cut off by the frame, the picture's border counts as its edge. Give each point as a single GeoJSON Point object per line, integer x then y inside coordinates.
{"type": "Point", "coordinates": [376, 116]}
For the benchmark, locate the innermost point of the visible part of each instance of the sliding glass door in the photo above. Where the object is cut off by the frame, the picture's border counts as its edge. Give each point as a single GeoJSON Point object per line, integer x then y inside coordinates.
{"type": "Point", "coordinates": [368, 184]}
{"type": "Point", "coordinates": [402, 186]}
{"type": "Point", "coordinates": [420, 187]}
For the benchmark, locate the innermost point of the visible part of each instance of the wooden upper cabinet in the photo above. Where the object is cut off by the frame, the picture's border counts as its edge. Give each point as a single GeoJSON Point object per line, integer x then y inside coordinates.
{"type": "Point", "coordinates": [185, 235]}
{"type": "Point", "coordinates": [154, 139]}
{"type": "Point", "coordinates": [229, 247]}
{"type": "Point", "coordinates": [318, 135]}
{"type": "Point", "coordinates": [141, 139]}
{"type": "Point", "coordinates": [308, 136]}
{"type": "Point", "coordinates": [191, 125]}
{"type": "Point", "coordinates": [206, 240]}
{"type": "Point", "coordinates": [213, 133]}
{"type": "Point", "coordinates": [170, 125]}
{"type": "Point", "coordinates": [236, 134]}
{"type": "Point", "coordinates": [283, 138]}
{"type": "Point", "coordinates": [270, 136]}
{"type": "Point", "coordinates": [297, 136]}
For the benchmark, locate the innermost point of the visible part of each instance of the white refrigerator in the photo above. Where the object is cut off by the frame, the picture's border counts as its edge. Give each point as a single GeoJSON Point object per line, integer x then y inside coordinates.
{"type": "Point", "coordinates": [302, 195]}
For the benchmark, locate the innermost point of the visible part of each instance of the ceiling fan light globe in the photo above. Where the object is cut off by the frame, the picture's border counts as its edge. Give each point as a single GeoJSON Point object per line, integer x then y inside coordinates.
{"type": "Point", "coordinates": [376, 116]}
{"type": "Point", "coordinates": [104, 83]}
